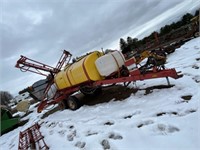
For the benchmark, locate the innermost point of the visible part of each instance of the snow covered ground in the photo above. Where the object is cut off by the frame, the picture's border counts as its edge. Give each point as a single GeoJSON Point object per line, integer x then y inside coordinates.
{"type": "Point", "coordinates": [164, 119]}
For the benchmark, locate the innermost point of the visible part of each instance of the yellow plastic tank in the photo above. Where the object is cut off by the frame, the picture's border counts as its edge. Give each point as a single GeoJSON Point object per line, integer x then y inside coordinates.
{"type": "Point", "coordinates": [81, 71]}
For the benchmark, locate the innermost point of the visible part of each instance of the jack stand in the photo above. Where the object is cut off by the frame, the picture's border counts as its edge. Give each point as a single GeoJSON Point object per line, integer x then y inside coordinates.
{"type": "Point", "coordinates": [168, 81]}
{"type": "Point", "coordinates": [134, 84]}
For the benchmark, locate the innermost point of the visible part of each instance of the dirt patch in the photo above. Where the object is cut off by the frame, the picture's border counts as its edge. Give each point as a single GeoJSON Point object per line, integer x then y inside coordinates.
{"type": "Point", "coordinates": [174, 113]}
{"type": "Point", "coordinates": [186, 97]}
{"type": "Point", "coordinates": [115, 136]}
{"type": "Point", "coordinates": [191, 111]}
{"type": "Point", "coordinates": [23, 122]}
{"type": "Point", "coordinates": [80, 144]}
{"type": "Point", "coordinates": [127, 117]}
{"type": "Point", "coordinates": [196, 79]}
{"type": "Point", "coordinates": [140, 125]}
{"type": "Point", "coordinates": [195, 67]}
{"type": "Point", "coordinates": [160, 114]}
{"type": "Point", "coordinates": [197, 59]}
{"type": "Point", "coordinates": [26, 114]}
{"type": "Point", "coordinates": [116, 93]}
{"type": "Point", "coordinates": [145, 123]}
{"type": "Point", "coordinates": [149, 90]}
{"type": "Point", "coordinates": [109, 123]}
{"type": "Point", "coordinates": [36, 105]}
{"type": "Point", "coordinates": [90, 133]}
{"type": "Point", "coordinates": [165, 113]}
{"type": "Point", "coordinates": [50, 112]}
{"type": "Point", "coordinates": [105, 144]}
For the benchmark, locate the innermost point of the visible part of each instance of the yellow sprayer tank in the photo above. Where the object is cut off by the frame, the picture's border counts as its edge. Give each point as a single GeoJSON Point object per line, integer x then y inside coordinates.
{"type": "Point", "coordinates": [81, 71]}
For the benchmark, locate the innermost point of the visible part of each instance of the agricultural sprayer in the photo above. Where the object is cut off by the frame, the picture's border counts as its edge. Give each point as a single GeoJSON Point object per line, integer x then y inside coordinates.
{"type": "Point", "coordinates": [88, 74]}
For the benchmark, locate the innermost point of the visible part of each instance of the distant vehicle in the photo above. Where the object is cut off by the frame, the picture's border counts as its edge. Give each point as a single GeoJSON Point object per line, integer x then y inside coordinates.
{"type": "Point", "coordinates": [174, 39]}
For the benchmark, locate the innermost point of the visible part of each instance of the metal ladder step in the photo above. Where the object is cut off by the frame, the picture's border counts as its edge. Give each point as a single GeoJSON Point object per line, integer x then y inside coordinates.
{"type": "Point", "coordinates": [32, 138]}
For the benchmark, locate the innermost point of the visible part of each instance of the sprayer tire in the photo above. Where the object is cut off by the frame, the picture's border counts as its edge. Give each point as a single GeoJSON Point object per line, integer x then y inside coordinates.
{"type": "Point", "coordinates": [73, 103]}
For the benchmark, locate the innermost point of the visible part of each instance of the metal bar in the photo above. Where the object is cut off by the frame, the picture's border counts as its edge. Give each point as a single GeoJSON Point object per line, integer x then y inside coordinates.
{"type": "Point", "coordinates": [168, 81]}
{"type": "Point", "coordinates": [23, 59]}
{"type": "Point", "coordinates": [63, 59]}
{"type": "Point", "coordinates": [150, 75]}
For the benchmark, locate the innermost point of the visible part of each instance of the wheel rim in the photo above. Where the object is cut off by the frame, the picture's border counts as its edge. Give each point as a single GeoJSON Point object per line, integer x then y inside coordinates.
{"type": "Point", "coordinates": [61, 105]}
{"type": "Point", "coordinates": [71, 104]}
{"type": "Point", "coordinates": [88, 90]}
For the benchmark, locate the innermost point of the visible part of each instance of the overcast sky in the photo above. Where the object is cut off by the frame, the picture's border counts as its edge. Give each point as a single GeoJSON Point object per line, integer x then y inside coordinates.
{"type": "Point", "coordinates": [41, 29]}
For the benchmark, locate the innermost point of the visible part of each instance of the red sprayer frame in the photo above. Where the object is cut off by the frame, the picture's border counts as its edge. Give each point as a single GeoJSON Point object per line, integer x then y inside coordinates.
{"type": "Point", "coordinates": [134, 75]}
{"type": "Point", "coordinates": [26, 64]}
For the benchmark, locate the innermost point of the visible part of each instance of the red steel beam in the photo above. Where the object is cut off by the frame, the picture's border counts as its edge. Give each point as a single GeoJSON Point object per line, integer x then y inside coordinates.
{"type": "Point", "coordinates": [27, 64]}
{"type": "Point", "coordinates": [134, 76]}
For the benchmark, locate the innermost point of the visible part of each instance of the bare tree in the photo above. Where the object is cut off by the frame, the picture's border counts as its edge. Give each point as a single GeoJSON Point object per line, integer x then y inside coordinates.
{"type": "Point", "coordinates": [5, 97]}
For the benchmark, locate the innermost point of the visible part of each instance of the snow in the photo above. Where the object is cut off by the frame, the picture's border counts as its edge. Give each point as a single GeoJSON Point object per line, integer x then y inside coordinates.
{"type": "Point", "coordinates": [160, 120]}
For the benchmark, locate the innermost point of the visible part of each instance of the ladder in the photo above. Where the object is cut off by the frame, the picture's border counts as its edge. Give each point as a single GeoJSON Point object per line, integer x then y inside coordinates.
{"type": "Point", "coordinates": [32, 138]}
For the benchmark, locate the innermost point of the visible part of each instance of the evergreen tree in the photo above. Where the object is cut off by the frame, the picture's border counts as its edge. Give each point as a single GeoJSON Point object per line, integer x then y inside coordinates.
{"type": "Point", "coordinates": [173, 26]}
{"type": "Point", "coordinates": [129, 40]}
{"type": "Point", "coordinates": [179, 24]}
{"type": "Point", "coordinates": [197, 12]}
{"type": "Point", "coordinates": [166, 29]}
{"type": "Point", "coordinates": [151, 36]}
{"type": "Point", "coordinates": [186, 18]}
{"type": "Point", "coordinates": [123, 45]}
{"type": "Point", "coordinates": [135, 43]}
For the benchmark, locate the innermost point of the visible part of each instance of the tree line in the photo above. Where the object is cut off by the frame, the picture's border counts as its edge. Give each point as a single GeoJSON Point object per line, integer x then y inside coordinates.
{"type": "Point", "coordinates": [133, 43]}
{"type": "Point", "coordinates": [5, 98]}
